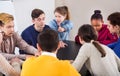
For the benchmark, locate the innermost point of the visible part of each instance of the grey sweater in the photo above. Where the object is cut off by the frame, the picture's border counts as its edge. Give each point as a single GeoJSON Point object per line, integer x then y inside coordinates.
{"type": "Point", "coordinates": [98, 66]}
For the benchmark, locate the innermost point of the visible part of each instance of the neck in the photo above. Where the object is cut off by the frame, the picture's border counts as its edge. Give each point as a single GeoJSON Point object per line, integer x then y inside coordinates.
{"type": "Point", "coordinates": [37, 29]}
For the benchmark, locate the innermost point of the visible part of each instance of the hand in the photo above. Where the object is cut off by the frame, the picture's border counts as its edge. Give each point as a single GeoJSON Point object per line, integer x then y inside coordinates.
{"type": "Point", "coordinates": [71, 61]}
{"type": "Point", "coordinates": [37, 54]}
{"type": "Point", "coordinates": [62, 44]}
{"type": "Point", "coordinates": [61, 29]}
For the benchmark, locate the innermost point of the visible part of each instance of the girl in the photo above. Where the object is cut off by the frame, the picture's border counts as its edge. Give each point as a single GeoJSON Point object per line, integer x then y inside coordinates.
{"type": "Point", "coordinates": [62, 23]}
{"type": "Point", "coordinates": [104, 35]}
{"type": "Point", "coordinates": [99, 59]}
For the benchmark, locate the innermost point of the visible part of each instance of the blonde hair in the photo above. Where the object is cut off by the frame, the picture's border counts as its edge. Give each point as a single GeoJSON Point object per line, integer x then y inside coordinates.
{"type": "Point", "coordinates": [6, 18]}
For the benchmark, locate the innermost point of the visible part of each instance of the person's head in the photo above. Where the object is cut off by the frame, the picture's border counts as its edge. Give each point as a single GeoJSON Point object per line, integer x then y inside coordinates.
{"type": "Point", "coordinates": [97, 20]}
{"type": "Point", "coordinates": [88, 34]}
{"type": "Point", "coordinates": [114, 22]}
{"type": "Point", "coordinates": [48, 40]}
{"type": "Point", "coordinates": [38, 18]}
{"type": "Point", "coordinates": [61, 13]}
{"type": "Point", "coordinates": [7, 26]}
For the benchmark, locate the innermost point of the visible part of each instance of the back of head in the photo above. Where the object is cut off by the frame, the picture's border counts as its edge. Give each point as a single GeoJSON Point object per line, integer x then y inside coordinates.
{"type": "Point", "coordinates": [63, 10]}
{"type": "Point", "coordinates": [6, 18]}
{"type": "Point", "coordinates": [114, 18]}
{"type": "Point", "coordinates": [88, 34]}
{"type": "Point", "coordinates": [97, 15]}
{"type": "Point", "coordinates": [36, 13]}
{"type": "Point", "coordinates": [48, 40]}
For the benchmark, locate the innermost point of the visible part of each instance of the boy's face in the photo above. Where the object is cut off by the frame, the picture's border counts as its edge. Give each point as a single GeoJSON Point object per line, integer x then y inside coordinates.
{"type": "Point", "coordinates": [8, 28]}
{"type": "Point", "coordinates": [39, 22]}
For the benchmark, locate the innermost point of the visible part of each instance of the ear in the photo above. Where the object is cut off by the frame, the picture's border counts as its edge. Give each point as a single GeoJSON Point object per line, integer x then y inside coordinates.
{"type": "Point", "coordinates": [33, 21]}
{"type": "Point", "coordinates": [39, 48]}
{"type": "Point", "coordinates": [58, 46]}
{"type": "Point", "coordinates": [81, 40]}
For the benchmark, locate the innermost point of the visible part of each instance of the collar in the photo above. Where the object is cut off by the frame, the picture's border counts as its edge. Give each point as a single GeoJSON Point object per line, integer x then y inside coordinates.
{"type": "Point", "coordinates": [48, 53]}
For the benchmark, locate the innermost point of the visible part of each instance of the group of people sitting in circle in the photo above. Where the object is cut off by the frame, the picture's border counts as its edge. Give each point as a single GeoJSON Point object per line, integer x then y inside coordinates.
{"type": "Point", "coordinates": [39, 43]}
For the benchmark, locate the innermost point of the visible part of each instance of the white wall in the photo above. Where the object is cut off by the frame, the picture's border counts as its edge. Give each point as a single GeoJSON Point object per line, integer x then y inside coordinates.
{"type": "Point", "coordinates": [8, 7]}
{"type": "Point", "coordinates": [81, 10]}
{"type": "Point", "coordinates": [23, 10]}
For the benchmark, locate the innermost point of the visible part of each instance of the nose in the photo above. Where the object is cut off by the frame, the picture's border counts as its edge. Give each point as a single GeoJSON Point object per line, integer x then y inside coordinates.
{"type": "Point", "coordinates": [12, 29]}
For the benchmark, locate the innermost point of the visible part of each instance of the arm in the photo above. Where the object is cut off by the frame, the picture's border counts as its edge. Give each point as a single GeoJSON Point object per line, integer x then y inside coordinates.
{"type": "Point", "coordinates": [110, 38]}
{"type": "Point", "coordinates": [6, 68]}
{"type": "Point", "coordinates": [82, 56]}
{"type": "Point", "coordinates": [68, 26]}
{"type": "Point", "coordinates": [10, 56]}
{"type": "Point", "coordinates": [53, 25]}
{"type": "Point", "coordinates": [23, 45]}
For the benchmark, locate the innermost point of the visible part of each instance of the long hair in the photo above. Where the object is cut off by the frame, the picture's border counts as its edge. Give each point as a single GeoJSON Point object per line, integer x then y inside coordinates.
{"type": "Point", "coordinates": [63, 10]}
{"type": "Point", "coordinates": [88, 34]}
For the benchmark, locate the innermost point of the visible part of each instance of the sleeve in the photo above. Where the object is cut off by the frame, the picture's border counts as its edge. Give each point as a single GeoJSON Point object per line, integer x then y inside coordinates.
{"type": "Point", "coordinates": [81, 58]}
{"type": "Point", "coordinates": [6, 68]}
{"type": "Point", "coordinates": [53, 25]}
{"type": "Point", "coordinates": [110, 38]}
{"type": "Point", "coordinates": [10, 56]}
{"type": "Point", "coordinates": [68, 26]}
{"type": "Point", "coordinates": [23, 45]}
{"type": "Point", "coordinates": [77, 39]}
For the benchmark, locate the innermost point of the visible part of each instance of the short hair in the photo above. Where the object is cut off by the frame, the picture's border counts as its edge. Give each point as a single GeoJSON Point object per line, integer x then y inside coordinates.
{"type": "Point", "coordinates": [114, 18]}
{"type": "Point", "coordinates": [6, 18]}
{"type": "Point", "coordinates": [97, 15]}
{"type": "Point", "coordinates": [36, 13]}
{"type": "Point", "coordinates": [48, 40]}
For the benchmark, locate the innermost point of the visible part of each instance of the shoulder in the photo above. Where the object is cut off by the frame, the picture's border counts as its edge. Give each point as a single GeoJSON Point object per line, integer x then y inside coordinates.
{"type": "Point", "coordinates": [67, 22]}
{"type": "Point", "coordinates": [46, 26]}
{"type": "Point", "coordinates": [28, 30]}
{"type": "Point", "coordinates": [31, 27]}
{"type": "Point", "coordinates": [53, 22]}
{"type": "Point", "coordinates": [29, 60]}
{"type": "Point", "coordinates": [104, 26]}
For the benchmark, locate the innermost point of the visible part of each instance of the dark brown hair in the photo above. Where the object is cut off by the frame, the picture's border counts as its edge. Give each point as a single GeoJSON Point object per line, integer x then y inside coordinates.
{"type": "Point", "coordinates": [88, 33]}
{"type": "Point", "coordinates": [48, 40]}
{"type": "Point", "coordinates": [63, 10]}
{"type": "Point", "coordinates": [97, 15]}
{"type": "Point", "coordinates": [36, 13]}
{"type": "Point", "coordinates": [114, 18]}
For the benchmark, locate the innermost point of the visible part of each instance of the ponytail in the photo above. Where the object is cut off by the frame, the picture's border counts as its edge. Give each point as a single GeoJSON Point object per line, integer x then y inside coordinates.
{"type": "Point", "coordinates": [100, 49]}
{"type": "Point", "coordinates": [67, 13]}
